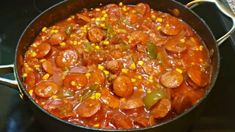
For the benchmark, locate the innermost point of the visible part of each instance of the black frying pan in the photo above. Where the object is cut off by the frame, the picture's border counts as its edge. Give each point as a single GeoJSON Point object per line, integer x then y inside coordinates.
{"type": "Point", "coordinates": [64, 9]}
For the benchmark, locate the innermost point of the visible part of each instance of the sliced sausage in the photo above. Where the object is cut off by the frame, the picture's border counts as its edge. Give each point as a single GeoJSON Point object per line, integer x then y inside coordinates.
{"type": "Point", "coordinates": [46, 89]}
{"type": "Point", "coordinates": [122, 86]}
{"type": "Point", "coordinates": [121, 121]}
{"type": "Point", "coordinates": [42, 50]}
{"type": "Point", "coordinates": [88, 108]}
{"type": "Point", "coordinates": [75, 81]}
{"type": "Point", "coordinates": [161, 109]}
{"type": "Point", "coordinates": [142, 121]}
{"type": "Point", "coordinates": [171, 79]}
{"type": "Point", "coordinates": [57, 38]}
{"type": "Point", "coordinates": [139, 37]}
{"type": "Point", "coordinates": [113, 66]}
{"type": "Point", "coordinates": [96, 34]}
{"type": "Point", "coordinates": [143, 9]}
{"type": "Point", "coordinates": [66, 58]}
{"type": "Point", "coordinates": [172, 27]}
{"type": "Point", "coordinates": [131, 103]}
{"type": "Point", "coordinates": [109, 99]}
{"type": "Point", "coordinates": [97, 77]}
{"type": "Point", "coordinates": [175, 45]}
{"type": "Point", "coordinates": [199, 77]}
{"type": "Point", "coordinates": [31, 79]}
{"type": "Point", "coordinates": [48, 66]}
{"type": "Point", "coordinates": [181, 102]}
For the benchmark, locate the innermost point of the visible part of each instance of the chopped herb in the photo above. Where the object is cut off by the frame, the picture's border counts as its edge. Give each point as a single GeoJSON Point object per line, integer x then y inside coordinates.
{"type": "Point", "coordinates": [68, 30]}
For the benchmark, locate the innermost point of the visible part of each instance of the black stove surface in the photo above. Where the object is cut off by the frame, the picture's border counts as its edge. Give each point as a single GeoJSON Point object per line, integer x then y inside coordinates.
{"type": "Point", "coordinates": [15, 116]}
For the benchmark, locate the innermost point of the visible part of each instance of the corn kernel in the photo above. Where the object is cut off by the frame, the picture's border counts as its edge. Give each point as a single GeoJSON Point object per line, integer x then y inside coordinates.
{"type": "Point", "coordinates": [139, 77]}
{"type": "Point", "coordinates": [34, 45]}
{"type": "Point", "coordinates": [159, 28]}
{"type": "Point", "coordinates": [97, 47]}
{"type": "Point", "coordinates": [62, 44]}
{"type": "Point", "coordinates": [36, 66]}
{"type": "Point", "coordinates": [167, 25]}
{"type": "Point", "coordinates": [182, 40]}
{"type": "Point", "coordinates": [96, 125]}
{"type": "Point", "coordinates": [73, 83]}
{"type": "Point", "coordinates": [125, 70]}
{"type": "Point", "coordinates": [46, 76]}
{"type": "Point", "coordinates": [149, 91]}
{"type": "Point", "coordinates": [100, 67]}
{"type": "Point", "coordinates": [105, 15]}
{"type": "Point", "coordinates": [133, 80]}
{"type": "Point", "coordinates": [92, 97]}
{"type": "Point", "coordinates": [120, 4]}
{"type": "Point", "coordinates": [42, 60]}
{"type": "Point", "coordinates": [141, 63]}
{"type": "Point", "coordinates": [106, 42]}
{"type": "Point", "coordinates": [97, 19]}
{"type": "Point", "coordinates": [88, 74]}
{"type": "Point", "coordinates": [179, 70]}
{"type": "Point", "coordinates": [44, 29]}
{"type": "Point", "coordinates": [123, 99]}
{"type": "Point", "coordinates": [31, 92]}
{"type": "Point", "coordinates": [25, 75]}
{"type": "Point", "coordinates": [124, 8]}
{"type": "Point", "coordinates": [97, 95]}
{"type": "Point", "coordinates": [201, 60]}
{"type": "Point", "coordinates": [159, 19]}
{"type": "Point", "coordinates": [153, 16]}
{"type": "Point", "coordinates": [200, 47]}
{"type": "Point", "coordinates": [150, 78]}
{"type": "Point", "coordinates": [132, 66]}
{"type": "Point", "coordinates": [97, 9]}
{"type": "Point", "coordinates": [102, 19]}
{"type": "Point", "coordinates": [33, 54]}
{"type": "Point", "coordinates": [106, 72]}
{"type": "Point", "coordinates": [103, 12]}
{"type": "Point", "coordinates": [54, 97]}
{"type": "Point", "coordinates": [102, 25]}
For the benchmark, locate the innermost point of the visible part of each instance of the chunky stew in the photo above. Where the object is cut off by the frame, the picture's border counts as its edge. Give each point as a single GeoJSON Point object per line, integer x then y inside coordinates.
{"type": "Point", "coordinates": [117, 67]}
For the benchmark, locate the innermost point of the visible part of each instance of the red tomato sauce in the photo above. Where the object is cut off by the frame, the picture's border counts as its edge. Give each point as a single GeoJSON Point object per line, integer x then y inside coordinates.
{"type": "Point", "coordinates": [117, 67]}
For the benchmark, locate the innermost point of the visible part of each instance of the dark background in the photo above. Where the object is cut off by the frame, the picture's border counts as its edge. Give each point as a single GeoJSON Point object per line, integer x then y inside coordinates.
{"type": "Point", "coordinates": [15, 116]}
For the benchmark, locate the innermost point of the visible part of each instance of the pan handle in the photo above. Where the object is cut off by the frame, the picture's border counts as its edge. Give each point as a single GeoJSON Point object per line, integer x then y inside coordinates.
{"type": "Point", "coordinates": [224, 10]}
{"type": "Point", "coordinates": [8, 82]}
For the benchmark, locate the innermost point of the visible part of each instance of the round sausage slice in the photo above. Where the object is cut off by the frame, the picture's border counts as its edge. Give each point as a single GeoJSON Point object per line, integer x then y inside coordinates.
{"type": "Point", "coordinates": [109, 99]}
{"type": "Point", "coordinates": [171, 79]}
{"type": "Point", "coordinates": [176, 45]}
{"type": "Point", "coordinates": [131, 103]}
{"type": "Point", "coordinates": [122, 86]}
{"type": "Point", "coordinates": [96, 35]}
{"type": "Point", "coordinates": [48, 66]}
{"type": "Point", "coordinates": [46, 89]}
{"type": "Point", "coordinates": [120, 120]}
{"type": "Point", "coordinates": [199, 77]}
{"type": "Point", "coordinates": [97, 77]}
{"type": "Point", "coordinates": [113, 66]}
{"type": "Point", "coordinates": [57, 38]}
{"type": "Point", "coordinates": [75, 81]}
{"type": "Point", "coordinates": [173, 27]}
{"type": "Point", "coordinates": [88, 108]}
{"type": "Point", "coordinates": [66, 58]}
{"type": "Point", "coordinates": [181, 102]}
{"type": "Point", "coordinates": [42, 50]}
{"type": "Point", "coordinates": [161, 109]}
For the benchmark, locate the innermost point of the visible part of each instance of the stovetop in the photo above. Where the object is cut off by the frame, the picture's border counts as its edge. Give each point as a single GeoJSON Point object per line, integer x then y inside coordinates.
{"type": "Point", "coordinates": [15, 116]}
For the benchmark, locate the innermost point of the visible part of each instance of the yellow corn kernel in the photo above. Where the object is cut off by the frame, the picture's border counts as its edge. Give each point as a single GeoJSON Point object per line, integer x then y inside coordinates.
{"type": "Point", "coordinates": [133, 80]}
{"type": "Point", "coordinates": [106, 42]}
{"type": "Point", "coordinates": [100, 67]}
{"type": "Point", "coordinates": [141, 63]}
{"type": "Point", "coordinates": [97, 47]}
{"type": "Point", "coordinates": [97, 9]}
{"type": "Point", "coordinates": [36, 66]}
{"type": "Point", "coordinates": [124, 70]}
{"type": "Point", "coordinates": [105, 15]}
{"type": "Point", "coordinates": [42, 60]}
{"type": "Point", "coordinates": [31, 92]}
{"type": "Point", "coordinates": [149, 91]}
{"type": "Point", "coordinates": [153, 16]}
{"type": "Point", "coordinates": [179, 70]}
{"type": "Point", "coordinates": [159, 19]}
{"type": "Point", "coordinates": [44, 29]}
{"type": "Point", "coordinates": [182, 40]}
{"type": "Point", "coordinates": [123, 99]}
{"type": "Point", "coordinates": [167, 25]}
{"type": "Point", "coordinates": [25, 75]}
{"type": "Point", "coordinates": [88, 74]}
{"type": "Point", "coordinates": [159, 28]}
{"type": "Point", "coordinates": [62, 44]}
{"type": "Point", "coordinates": [102, 25]}
{"type": "Point", "coordinates": [102, 18]}
{"type": "Point", "coordinates": [120, 4]}
{"type": "Point", "coordinates": [73, 83]}
{"type": "Point", "coordinates": [54, 31]}
{"type": "Point", "coordinates": [132, 66]}
{"type": "Point", "coordinates": [54, 97]}
{"type": "Point", "coordinates": [106, 72]}
{"type": "Point", "coordinates": [33, 54]}
{"type": "Point", "coordinates": [92, 97]}
{"type": "Point", "coordinates": [124, 8]}
{"type": "Point", "coordinates": [201, 60]}
{"type": "Point", "coordinates": [200, 47]}
{"type": "Point", "coordinates": [34, 45]}
{"type": "Point", "coordinates": [97, 95]}
{"type": "Point", "coordinates": [97, 19]}
{"type": "Point", "coordinates": [150, 78]}
{"type": "Point", "coordinates": [46, 76]}
{"type": "Point", "coordinates": [96, 125]}
{"type": "Point", "coordinates": [139, 77]}
{"type": "Point", "coordinates": [103, 12]}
